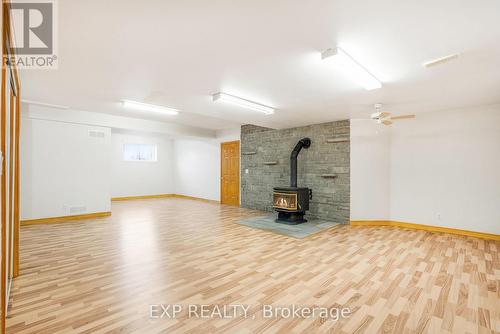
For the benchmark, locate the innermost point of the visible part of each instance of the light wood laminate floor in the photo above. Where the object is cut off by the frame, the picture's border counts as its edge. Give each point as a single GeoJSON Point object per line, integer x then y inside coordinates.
{"type": "Point", "coordinates": [102, 275]}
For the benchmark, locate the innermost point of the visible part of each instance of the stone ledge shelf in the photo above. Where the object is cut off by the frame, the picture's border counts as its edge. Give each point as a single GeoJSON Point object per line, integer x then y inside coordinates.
{"type": "Point", "coordinates": [249, 153]}
{"type": "Point", "coordinates": [337, 140]}
{"type": "Point", "coordinates": [270, 163]}
{"type": "Point", "coordinates": [329, 176]}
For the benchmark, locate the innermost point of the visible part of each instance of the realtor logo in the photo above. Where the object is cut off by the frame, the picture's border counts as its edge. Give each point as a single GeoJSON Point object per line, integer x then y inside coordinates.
{"type": "Point", "coordinates": [34, 33]}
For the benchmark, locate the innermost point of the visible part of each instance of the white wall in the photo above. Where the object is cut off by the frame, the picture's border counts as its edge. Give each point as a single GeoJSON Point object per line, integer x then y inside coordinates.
{"type": "Point", "coordinates": [197, 165]}
{"type": "Point", "coordinates": [228, 135]}
{"type": "Point", "coordinates": [196, 169]}
{"type": "Point", "coordinates": [441, 169]}
{"type": "Point", "coordinates": [62, 167]}
{"type": "Point", "coordinates": [131, 178]}
{"type": "Point", "coordinates": [370, 171]}
{"type": "Point", "coordinates": [115, 122]}
{"type": "Point", "coordinates": [445, 169]}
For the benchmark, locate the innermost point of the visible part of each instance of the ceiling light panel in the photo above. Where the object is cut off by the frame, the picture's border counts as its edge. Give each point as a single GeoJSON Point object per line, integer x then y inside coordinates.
{"type": "Point", "coordinates": [354, 70]}
{"type": "Point", "coordinates": [223, 97]}
{"type": "Point", "coordinates": [149, 107]}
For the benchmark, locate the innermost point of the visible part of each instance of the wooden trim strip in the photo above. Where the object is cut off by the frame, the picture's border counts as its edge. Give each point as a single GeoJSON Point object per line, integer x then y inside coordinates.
{"type": "Point", "coordinates": [10, 236]}
{"type": "Point", "coordinates": [13, 202]}
{"type": "Point", "coordinates": [128, 198]}
{"type": "Point", "coordinates": [107, 213]}
{"type": "Point", "coordinates": [428, 228]}
{"type": "Point", "coordinates": [17, 197]}
{"type": "Point", "coordinates": [65, 218]}
{"type": "Point", "coordinates": [3, 188]}
{"type": "Point", "coordinates": [196, 199]}
{"type": "Point", "coordinates": [370, 223]}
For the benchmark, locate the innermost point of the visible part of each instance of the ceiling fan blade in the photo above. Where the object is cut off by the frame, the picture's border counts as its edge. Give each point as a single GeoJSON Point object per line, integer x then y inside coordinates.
{"type": "Point", "coordinates": [403, 117]}
{"type": "Point", "coordinates": [380, 115]}
{"type": "Point", "coordinates": [386, 122]}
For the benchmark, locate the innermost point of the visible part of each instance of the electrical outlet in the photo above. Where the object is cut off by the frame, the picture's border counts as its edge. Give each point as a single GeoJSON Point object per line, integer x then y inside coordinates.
{"type": "Point", "coordinates": [246, 171]}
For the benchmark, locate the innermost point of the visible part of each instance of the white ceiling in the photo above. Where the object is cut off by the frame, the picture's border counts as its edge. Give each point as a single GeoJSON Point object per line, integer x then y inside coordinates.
{"type": "Point", "coordinates": [178, 53]}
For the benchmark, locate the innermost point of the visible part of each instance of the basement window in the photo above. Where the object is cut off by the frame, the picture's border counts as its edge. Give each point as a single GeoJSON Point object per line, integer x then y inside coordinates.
{"type": "Point", "coordinates": [140, 152]}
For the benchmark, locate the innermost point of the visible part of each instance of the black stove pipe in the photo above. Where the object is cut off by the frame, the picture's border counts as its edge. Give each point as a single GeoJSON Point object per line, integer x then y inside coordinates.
{"type": "Point", "coordinates": [303, 143]}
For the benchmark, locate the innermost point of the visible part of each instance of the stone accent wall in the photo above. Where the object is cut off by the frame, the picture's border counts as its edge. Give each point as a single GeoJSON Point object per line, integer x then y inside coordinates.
{"type": "Point", "coordinates": [324, 167]}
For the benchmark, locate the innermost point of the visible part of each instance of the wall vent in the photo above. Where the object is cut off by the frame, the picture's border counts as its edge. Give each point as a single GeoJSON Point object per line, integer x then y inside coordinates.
{"type": "Point", "coordinates": [96, 134]}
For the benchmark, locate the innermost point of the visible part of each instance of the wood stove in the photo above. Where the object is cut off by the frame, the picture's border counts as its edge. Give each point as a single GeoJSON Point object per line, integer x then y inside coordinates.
{"type": "Point", "coordinates": [292, 202]}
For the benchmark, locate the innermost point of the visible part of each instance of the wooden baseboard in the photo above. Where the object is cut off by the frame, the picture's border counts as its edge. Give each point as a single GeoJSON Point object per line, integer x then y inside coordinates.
{"type": "Point", "coordinates": [104, 214]}
{"type": "Point", "coordinates": [65, 218]}
{"type": "Point", "coordinates": [196, 198]}
{"type": "Point", "coordinates": [128, 198]}
{"type": "Point", "coordinates": [429, 228]}
{"type": "Point", "coordinates": [371, 223]}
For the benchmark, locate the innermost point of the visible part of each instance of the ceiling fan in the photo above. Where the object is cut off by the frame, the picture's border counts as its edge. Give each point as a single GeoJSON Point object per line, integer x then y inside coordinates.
{"type": "Point", "coordinates": [384, 117]}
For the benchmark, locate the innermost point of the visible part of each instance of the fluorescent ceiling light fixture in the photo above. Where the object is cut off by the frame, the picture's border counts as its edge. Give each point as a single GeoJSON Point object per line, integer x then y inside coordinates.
{"type": "Point", "coordinates": [43, 104]}
{"type": "Point", "coordinates": [352, 68]}
{"type": "Point", "coordinates": [242, 103]}
{"type": "Point", "coordinates": [441, 60]}
{"type": "Point", "coordinates": [149, 107]}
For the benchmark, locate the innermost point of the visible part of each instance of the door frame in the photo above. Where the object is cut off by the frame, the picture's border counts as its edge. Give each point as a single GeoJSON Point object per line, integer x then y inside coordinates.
{"type": "Point", "coordinates": [9, 214]}
{"type": "Point", "coordinates": [239, 169]}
